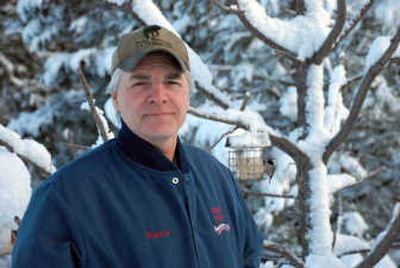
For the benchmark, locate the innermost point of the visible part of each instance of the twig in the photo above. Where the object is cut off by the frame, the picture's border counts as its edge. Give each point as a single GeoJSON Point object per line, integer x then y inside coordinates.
{"type": "Point", "coordinates": [245, 101]}
{"type": "Point", "coordinates": [370, 176]}
{"type": "Point", "coordinates": [293, 259]}
{"type": "Point", "coordinates": [332, 38]}
{"type": "Point", "coordinates": [260, 194]}
{"type": "Point", "coordinates": [223, 136]}
{"type": "Point", "coordinates": [363, 13]}
{"type": "Point", "coordinates": [360, 251]}
{"type": "Point", "coordinates": [225, 8]}
{"type": "Point", "coordinates": [100, 126]}
{"type": "Point", "coordinates": [373, 71]}
{"type": "Point", "coordinates": [380, 250]}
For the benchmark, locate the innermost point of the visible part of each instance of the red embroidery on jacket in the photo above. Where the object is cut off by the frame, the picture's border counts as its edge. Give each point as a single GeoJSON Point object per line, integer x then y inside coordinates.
{"type": "Point", "coordinates": [217, 214]}
{"type": "Point", "coordinates": [156, 235]}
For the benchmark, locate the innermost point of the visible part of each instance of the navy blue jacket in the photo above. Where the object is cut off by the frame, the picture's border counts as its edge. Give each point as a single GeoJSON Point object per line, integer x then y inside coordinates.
{"type": "Point", "coordinates": [124, 204]}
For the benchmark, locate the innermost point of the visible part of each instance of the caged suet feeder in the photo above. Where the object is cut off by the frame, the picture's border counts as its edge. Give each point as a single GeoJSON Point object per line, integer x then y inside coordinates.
{"type": "Point", "coordinates": [248, 157]}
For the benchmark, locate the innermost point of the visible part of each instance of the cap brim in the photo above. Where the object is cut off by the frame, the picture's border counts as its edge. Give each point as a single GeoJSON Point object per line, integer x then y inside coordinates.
{"type": "Point", "coordinates": [130, 63]}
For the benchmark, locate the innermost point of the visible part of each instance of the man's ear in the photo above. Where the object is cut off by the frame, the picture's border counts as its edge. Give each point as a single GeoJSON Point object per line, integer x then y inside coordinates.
{"type": "Point", "coordinates": [114, 97]}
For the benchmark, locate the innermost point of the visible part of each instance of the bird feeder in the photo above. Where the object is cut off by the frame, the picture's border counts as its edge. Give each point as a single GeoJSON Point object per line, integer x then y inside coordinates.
{"type": "Point", "coordinates": [247, 157]}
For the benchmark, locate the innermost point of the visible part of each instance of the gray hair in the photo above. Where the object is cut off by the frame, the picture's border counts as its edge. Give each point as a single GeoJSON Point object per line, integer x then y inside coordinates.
{"type": "Point", "coordinates": [115, 79]}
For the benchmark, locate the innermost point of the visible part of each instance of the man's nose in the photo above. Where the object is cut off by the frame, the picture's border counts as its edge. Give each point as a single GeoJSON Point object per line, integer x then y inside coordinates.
{"type": "Point", "coordinates": [157, 93]}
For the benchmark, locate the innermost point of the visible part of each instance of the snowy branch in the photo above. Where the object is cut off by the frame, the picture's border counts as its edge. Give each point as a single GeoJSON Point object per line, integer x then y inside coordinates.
{"type": "Point", "coordinates": [268, 41]}
{"type": "Point", "coordinates": [293, 259]}
{"type": "Point", "coordinates": [332, 38]}
{"type": "Point", "coordinates": [260, 194]}
{"type": "Point", "coordinates": [373, 71]}
{"type": "Point", "coordinates": [391, 234]}
{"type": "Point", "coordinates": [99, 123]}
{"type": "Point", "coordinates": [363, 12]}
{"type": "Point", "coordinates": [126, 6]}
{"type": "Point", "coordinates": [210, 94]}
{"type": "Point", "coordinates": [12, 141]}
{"type": "Point", "coordinates": [281, 142]}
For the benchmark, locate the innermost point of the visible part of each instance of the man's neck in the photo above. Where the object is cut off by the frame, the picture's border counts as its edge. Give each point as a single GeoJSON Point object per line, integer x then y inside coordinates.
{"type": "Point", "coordinates": [166, 146]}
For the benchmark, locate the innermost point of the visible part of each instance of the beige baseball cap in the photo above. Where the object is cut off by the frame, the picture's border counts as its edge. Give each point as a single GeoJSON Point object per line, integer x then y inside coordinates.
{"type": "Point", "coordinates": [133, 46]}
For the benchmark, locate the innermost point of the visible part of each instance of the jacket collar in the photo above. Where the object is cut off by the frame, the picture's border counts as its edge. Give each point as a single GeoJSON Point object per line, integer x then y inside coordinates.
{"type": "Point", "coordinates": [146, 154]}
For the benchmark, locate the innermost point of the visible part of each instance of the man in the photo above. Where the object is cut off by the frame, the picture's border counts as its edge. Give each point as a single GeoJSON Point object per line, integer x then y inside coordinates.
{"type": "Point", "coordinates": [143, 199]}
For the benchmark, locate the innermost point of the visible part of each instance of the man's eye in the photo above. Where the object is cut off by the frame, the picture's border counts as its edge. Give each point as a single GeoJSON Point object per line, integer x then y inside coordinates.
{"type": "Point", "coordinates": [173, 82]}
{"type": "Point", "coordinates": [138, 84]}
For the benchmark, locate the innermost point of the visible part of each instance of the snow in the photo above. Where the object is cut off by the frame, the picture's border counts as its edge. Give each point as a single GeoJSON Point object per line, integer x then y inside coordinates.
{"type": "Point", "coordinates": [27, 148]}
{"type": "Point", "coordinates": [303, 35]}
{"type": "Point", "coordinates": [53, 66]}
{"type": "Point", "coordinates": [288, 104]}
{"type": "Point", "coordinates": [24, 6]}
{"type": "Point", "coordinates": [352, 166]}
{"type": "Point", "coordinates": [15, 192]}
{"type": "Point", "coordinates": [326, 261]}
{"type": "Point", "coordinates": [376, 50]}
{"type": "Point", "coordinates": [387, 11]}
{"type": "Point", "coordinates": [354, 223]}
{"type": "Point", "coordinates": [315, 100]}
{"type": "Point", "coordinates": [337, 182]}
{"type": "Point", "coordinates": [349, 243]}
{"type": "Point", "coordinates": [320, 235]}
{"type": "Point", "coordinates": [335, 111]}
{"type": "Point", "coordinates": [244, 139]}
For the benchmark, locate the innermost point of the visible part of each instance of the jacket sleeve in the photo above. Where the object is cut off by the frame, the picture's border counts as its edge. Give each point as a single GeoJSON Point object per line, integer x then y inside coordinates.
{"type": "Point", "coordinates": [44, 237]}
{"type": "Point", "coordinates": [253, 237]}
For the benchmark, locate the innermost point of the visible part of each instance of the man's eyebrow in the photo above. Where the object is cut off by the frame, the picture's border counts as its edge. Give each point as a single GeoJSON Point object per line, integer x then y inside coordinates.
{"type": "Point", "coordinates": [139, 76]}
{"type": "Point", "coordinates": [174, 75]}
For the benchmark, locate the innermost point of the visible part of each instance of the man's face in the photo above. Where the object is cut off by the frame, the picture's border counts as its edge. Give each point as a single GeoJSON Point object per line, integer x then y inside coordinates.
{"type": "Point", "coordinates": [153, 99]}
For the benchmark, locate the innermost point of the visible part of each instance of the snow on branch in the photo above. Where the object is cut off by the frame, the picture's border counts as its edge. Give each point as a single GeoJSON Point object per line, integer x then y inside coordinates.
{"type": "Point", "coordinates": [369, 77]}
{"type": "Point", "coordinates": [332, 38]}
{"type": "Point", "coordinates": [293, 259]}
{"type": "Point", "coordinates": [276, 139]}
{"type": "Point", "coordinates": [384, 241]}
{"type": "Point", "coordinates": [28, 150]}
{"type": "Point", "coordinates": [247, 14]}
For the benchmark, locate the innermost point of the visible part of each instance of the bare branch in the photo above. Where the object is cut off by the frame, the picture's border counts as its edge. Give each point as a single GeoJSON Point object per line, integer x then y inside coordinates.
{"type": "Point", "coordinates": [301, 73]}
{"type": "Point", "coordinates": [293, 259]}
{"type": "Point", "coordinates": [332, 38]}
{"type": "Point", "coordinates": [223, 136]}
{"type": "Point", "coordinates": [9, 68]}
{"type": "Point", "coordinates": [260, 194]}
{"type": "Point", "coordinates": [360, 251]}
{"type": "Point", "coordinates": [245, 101]}
{"type": "Point", "coordinates": [99, 124]}
{"type": "Point", "coordinates": [280, 49]}
{"type": "Point", "coordinates": [371, 175]}
{"type": "Point", "coordinates": [383, 246]}
{"type": "Point", "coordinates": [226, 8]}
{"type": "Point", "coordinates": [363, 12]}
{"type": "Point", "coordinates": [212, 96]}
{"type": "Point", "coordinates": [373, 71]}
